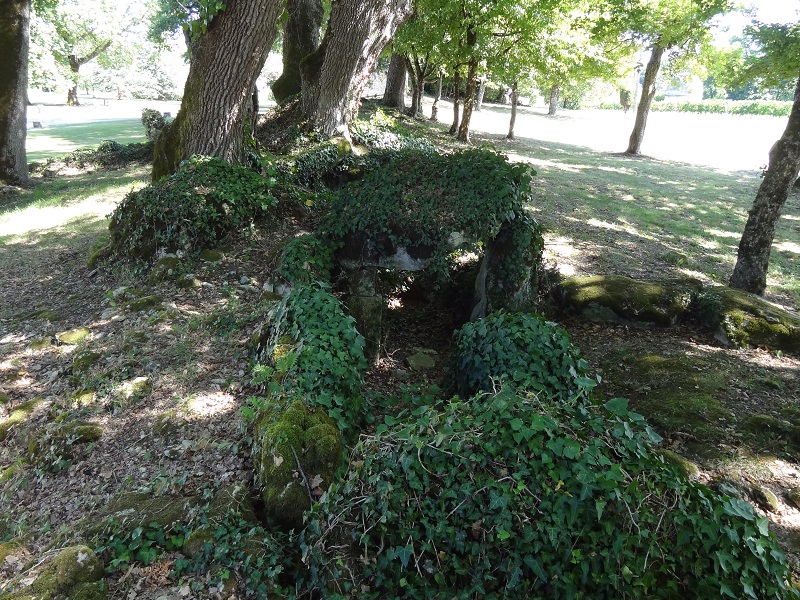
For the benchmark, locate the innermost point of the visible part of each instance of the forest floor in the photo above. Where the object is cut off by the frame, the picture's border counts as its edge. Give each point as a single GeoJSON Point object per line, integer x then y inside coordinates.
{"type": "Point", "coordinates": [188, 347]}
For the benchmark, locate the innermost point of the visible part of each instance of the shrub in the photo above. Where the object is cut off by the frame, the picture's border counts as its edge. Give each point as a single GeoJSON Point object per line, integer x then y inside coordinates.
{"type": "Point", "coordinates": [190, 210]}
{"type": "Point", "coordinates": [311, 348]}
{"type": "Point", "coordinates": [107, 154]}
{"type": "Point", "coordinates": [382, 133]}
{"type": "Point", "coordinates": [511, 496]}
{"type": "Point", "coordinates": [519, 349]}
{"type": "Point", "coordinates": [153, 122]}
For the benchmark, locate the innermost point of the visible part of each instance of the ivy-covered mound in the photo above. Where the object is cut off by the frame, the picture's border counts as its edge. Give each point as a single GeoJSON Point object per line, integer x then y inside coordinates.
{"type": "Point", "coordinates": [511, 494]}
{"type": "Point", "coordinates": [417, 199]}
{"type": "Point", "coordinates": [190, 210]}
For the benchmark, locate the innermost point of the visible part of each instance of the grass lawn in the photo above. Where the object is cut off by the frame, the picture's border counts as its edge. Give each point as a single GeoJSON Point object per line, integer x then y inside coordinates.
{"type": "Point", "coordinates": [54, 141]}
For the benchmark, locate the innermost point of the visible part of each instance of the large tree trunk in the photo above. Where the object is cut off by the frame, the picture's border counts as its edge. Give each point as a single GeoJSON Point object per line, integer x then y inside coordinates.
{"type": "Point", "coordinates": [14, 43]}
{"type": "Point", "coordinates": [513, 121]}
{"type": "Point", "coordinates": [437, 97]}
{"type": "Point", "coordinates": [469, 101]}
{"type": "Point", "coordinates": [300, 38]}
{"type": "Point", "coordinates": [555, 92]}
{"type": "Point", "coordinates": [648, 93]}
{"type": "Point", "coordinates": [394, 95]}
{"type": "Point", "coordinates": [750, 272]}
{"type": "Point", "coordinates": [334, 76]}
{"type": "Point", "coordinates": [456, 103]}
{"type": "Point", "coordinates": [225, 63]}
{"type": "Point", "coordinates": [75, 64]}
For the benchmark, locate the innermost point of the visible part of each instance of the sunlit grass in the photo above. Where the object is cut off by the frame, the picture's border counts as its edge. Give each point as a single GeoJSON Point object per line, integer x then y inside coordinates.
{"type": "Point", "coordinates": [86, 198]}
{"type": "Point", "coordinates": [54, 141]}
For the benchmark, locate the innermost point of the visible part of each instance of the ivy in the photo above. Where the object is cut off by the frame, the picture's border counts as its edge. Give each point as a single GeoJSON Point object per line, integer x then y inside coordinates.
{"type": "Point", "coordinates": [189, 210]}
{"type": "Point", "coordinates": [416, 198]}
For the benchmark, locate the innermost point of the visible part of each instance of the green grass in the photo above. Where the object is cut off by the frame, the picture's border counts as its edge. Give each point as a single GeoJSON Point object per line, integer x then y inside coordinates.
{"type": "Point", "coordinates": [628, 214]}
{"type": "Point", "coordinates": [57, 140]}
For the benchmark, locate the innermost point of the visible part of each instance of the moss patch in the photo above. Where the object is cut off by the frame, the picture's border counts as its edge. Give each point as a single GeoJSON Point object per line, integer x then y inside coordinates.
{"type": "Point", "coordinates": [72, 573]}
{"type": "Point", "coordinates": [281, 440]}
{"type": "Point", "coordinates": [84, 360]}
{"type": "Point", "coordinates": [767, 433]}
{"type": "Point", "coordinates": [677, 395]}
{"type": "Point", "coordinates": [624, 300]}
{"type": "Point", "coordinates": [164, 268]}
{"type": "Point", "coordinates": [17, 416]}
{"type": "Point", "coordinates": [143, 303]}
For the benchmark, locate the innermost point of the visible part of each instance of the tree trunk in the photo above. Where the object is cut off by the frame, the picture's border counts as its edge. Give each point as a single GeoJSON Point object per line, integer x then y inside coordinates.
{"type": "Point", "coordinates": [513, 121]}
{"type": "Point", "coordinates": [334, 75]}
{"type": "Point", "coordinates": [418, 69]}
{"type": "Point", "coordinates": [395, 94]}
{"type": "Point", "coordinates": [555, 92]}
{"type": "Point", "coordinates": [648, 93]}
{"type": "Point", "coordinates": [481, 94]}
{"type": "Point", "coordinates": [469, 101]}
{"type": "Point", "coordinates": [225, 63]}
{"type": "Point", "coordinates": [300, 38]}
{"type": "Point", "coordinates": [437, 97]}
{"type": "Point", "coordinates": [456, 104]}
{"type": "Point", "coordinates": [750, 272]}
{"type": "Point", "coordinates": [14, 42]}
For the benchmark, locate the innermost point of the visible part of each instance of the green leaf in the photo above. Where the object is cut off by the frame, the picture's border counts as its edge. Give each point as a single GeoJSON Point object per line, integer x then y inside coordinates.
{"type": "Point", "coordinates": [618, 406]}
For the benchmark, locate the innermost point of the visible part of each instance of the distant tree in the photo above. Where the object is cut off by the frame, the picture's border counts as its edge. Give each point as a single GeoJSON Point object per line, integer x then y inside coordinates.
{"type": "Point", "coordinates": [14, 42]}
{"type": "Point", "coordinates": [301, 29]}
{"type": "Point", "coordinates": [666, 27]}
{"type": "Point", "coordinates": [334, 75]}
{"type": "Point", "coordinates": [394, 95]}
{"type": "Point", "coordinates": [84, 30]}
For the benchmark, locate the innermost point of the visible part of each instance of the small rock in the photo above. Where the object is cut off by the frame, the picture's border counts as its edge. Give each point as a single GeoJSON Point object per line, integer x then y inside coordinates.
{"type": "Point", "coordinates": [249, 288]}
{"type": "Point", "coordinates": [401, 374]}
{"type": "Point", "coordinates": [268, 287]}
{"type": "Point", "coordinates": [793, 496]}
{"type": "Point", "coordinates": [421, 360]}
{"type": "Point", "coordinates": [211, 255]}
{"type": "Point", "coordinates": [41, 343]}
{"type": "Point", "coordinates": [244, 280]}
{"type": "Point", "coordinates": [73, 336]}
{"type": "Point", "coordinates": [765, 499]}
{"type": "Point", "coordinates": [83, 360]}
{"type": "Point", "coordinates": [108, 313]}
{"type": "Point", "coordinates": [143, 303]}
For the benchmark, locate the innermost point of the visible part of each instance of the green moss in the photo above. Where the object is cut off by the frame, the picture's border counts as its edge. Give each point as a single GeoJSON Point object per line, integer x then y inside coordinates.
{"type": "Point", "coordinates": [166, 424]}
{"type": "Point", "coordinates": [143, 303]}
{"type": "Point", "coordinates": [72, 573]}
{"type": "Point", "coordinates": [18, 415]}
{"type": "Point", "coordinates": [41, 343]}
{"type": "Point", "coordinates": [281, 440]}
{"type": "Point", "coordinates": [629, 300]}
{"type": "Point", "coordinates": [127, 511]}
{"type": "Point", "coordinates": [84, 360]}
{"type": "Point", "coordinates": [73, 336]}
{"type": "Point", "coordinates": [45, 315]}
{"type": "Point", "coordinates": [211, 255]}
{"type": "Point", "coordinates": [8, 548]}
{"type": "Point", "coordinates": [748, 320]}
{"type": "Point", "coordinates": [685, 466]}
{"type": "Point", "coordinates": [765, 498]}
{"type": "Point", "coordinates": [3, 399]}
{"type": "Point", "coordinates": [164, 268]}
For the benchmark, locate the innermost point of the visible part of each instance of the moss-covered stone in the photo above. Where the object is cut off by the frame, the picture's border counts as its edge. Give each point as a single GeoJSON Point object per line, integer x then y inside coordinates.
{"type": "Point", "coordinates": [188, 281]}
{"type": "Point", "coordinates": [211, 255]}
{"type": "Point", "coordinates": [127, 511]}
{"type": "Point", "coordinates": [684, 465]}
{"type": "Point", "coordinates": [624, 300]}
{"type": "Point", "coordinates": [45, 315]}
{"type": "Point", "coordinates": [765, 499]}
{"type": "Point", "coordinates": [281, 440]}
{"type": "Point", "coordinates": [164, 268]}
{"type": "Point", "coordinates": [72, 573]}
{"type": "Point", "coordinates": [40, 343]}
{"type": "Point", "coordinates": [83, 398]}
{"type": "Point", "coordinates": [57, 442]}
{"type": "Point", "coordinates": [8, 548]}
{"type": "Point", "coordinates": [3, 399]}
{"type": "Point", "coordinates": [75, 336]}
{"type": "Point", "coordinates": [133, 389]}
{"type": "Point", "coordinates": [83, 361]}
{"type": "Point", "coordinates": [143, 303]}
{"type": "Point", "coordinates": [166, 424]}
{"type": "Point", "coordinates": [745, 319]}
{"type": "Point", "coordinates": [18, 416]}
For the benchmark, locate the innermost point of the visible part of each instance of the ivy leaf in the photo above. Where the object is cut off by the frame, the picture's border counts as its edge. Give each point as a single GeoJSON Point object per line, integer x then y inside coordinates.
{"type": "Point", "coordinates": [618, 406]}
